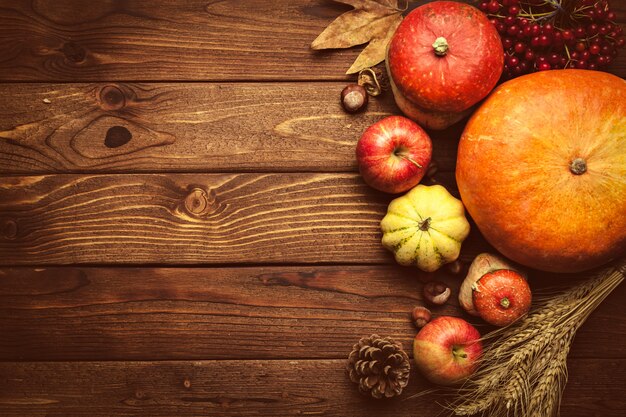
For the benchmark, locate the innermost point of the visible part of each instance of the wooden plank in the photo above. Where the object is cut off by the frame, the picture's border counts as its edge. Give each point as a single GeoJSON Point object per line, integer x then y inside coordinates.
{"type": "Point", "coordinates": [252, 388]}
{"type": "Point", "coordinates": [167, 40]}
{"type": "Point", "coordinates": [233, 313]}
{"type": "Point", "coordinates": [194, 218]}
{"type": "Point", "coordinates": [176, 40]}
{"type": "Point", "coordinates": [196, 313]}
{"type": "Point", "coordinates": [190, 127]}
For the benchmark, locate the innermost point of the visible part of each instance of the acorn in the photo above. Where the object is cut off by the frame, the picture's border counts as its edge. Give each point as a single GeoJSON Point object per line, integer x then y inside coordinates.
{"type": "Point", "coordinates": [353, 98]}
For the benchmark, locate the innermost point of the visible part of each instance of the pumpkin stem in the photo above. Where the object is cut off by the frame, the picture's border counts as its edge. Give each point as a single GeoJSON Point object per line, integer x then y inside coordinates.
{"type": "Point", "coordinates": [425, 225]}
{"type": "Point", "coordinates": [505, 302]}
{"type": "Point", "coordinates": [578, 166]}
{"type": "Point", "coordinates": [440, 46]}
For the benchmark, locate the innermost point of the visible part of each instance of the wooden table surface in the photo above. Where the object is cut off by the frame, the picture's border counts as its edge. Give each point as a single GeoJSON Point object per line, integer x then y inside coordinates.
{"type": "Point", "coordinates": [183, 231]}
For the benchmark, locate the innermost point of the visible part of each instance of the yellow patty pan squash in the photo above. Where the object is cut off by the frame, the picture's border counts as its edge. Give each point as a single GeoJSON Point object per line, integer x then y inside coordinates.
{"type": "Point", "coordinates": [425, 227]}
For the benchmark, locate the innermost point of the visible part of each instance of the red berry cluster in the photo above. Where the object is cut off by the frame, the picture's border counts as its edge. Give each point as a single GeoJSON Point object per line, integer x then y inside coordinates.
{"type": "Point", "coordinates": [539, 35]}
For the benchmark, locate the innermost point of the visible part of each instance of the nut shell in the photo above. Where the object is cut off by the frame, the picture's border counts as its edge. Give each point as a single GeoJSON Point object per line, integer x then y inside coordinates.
{"type": "Point", "coordinates": [432, 169]}
{"type": "Point", "coordinates": [353, 98]}
{"type": "Point", "coordinates": [436, 292]}
{"type": "Point", "coordinates": [421, 315]}
{"type": "Point", "coordinates": [455, 267]}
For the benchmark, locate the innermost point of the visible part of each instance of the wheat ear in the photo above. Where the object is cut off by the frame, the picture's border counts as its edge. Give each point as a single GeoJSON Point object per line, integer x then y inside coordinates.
{"type": "Point", "coordinates": [524, 370]}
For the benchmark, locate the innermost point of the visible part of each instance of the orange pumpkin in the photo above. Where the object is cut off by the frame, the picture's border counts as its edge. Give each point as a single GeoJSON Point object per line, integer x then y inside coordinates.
{"type": "Point", "coordinates": [542, 169]}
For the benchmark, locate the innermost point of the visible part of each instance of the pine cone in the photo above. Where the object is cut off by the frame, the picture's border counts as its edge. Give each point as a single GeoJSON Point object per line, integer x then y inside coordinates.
{"type": "Point", "coordinates": [379, 366]}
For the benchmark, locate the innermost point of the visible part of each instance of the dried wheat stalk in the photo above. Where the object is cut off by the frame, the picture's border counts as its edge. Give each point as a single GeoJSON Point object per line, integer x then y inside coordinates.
{"type": "Point", "coordinates": [524, 371]}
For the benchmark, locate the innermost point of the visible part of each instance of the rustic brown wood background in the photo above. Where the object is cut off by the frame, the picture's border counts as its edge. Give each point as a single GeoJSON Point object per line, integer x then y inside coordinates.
{"type": "Point", "coordinates": [182, 228]}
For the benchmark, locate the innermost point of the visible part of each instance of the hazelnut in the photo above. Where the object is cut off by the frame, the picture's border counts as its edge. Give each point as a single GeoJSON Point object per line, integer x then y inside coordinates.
{"type": "Point", "coordinates": [421, 316]}
{"type": "Point", "coordinates": [455, 267]}
{"type": "Point", "coordinates": [353, 98]}
{"type": "Point", "coordinates": [436, 292]}
{"type": "Point", "coordinates": [432, 169]}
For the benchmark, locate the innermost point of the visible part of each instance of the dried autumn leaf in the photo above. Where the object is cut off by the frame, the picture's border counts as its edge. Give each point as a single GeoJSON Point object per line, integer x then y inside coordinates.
{"type": "Point", "coordinates": [373, 21]}
{"type": "Point", "coordinates": [354, 27]}
{"type": "Point", "coordinates": [375, 51]}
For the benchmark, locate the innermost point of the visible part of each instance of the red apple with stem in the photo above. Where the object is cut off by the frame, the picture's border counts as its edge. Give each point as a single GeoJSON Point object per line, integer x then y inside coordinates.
{"type": "Point", "coordinates": [393, 154]}
{"type": "Point", "coordinates": [447, 350]}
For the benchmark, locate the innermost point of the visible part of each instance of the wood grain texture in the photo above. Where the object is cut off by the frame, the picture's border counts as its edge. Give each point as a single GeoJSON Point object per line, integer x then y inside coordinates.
{"type": "Point", "coordinates": [250, 388]}
{"type": "Point", "coordinates": [233, 313]}
{"type": "Point", "coordinates": [192, 127]}
{"type": "Point", "coordinates": [175, 40]}
{"type": "Point", "coordinates": [194, 218]}
{"type": "Point", "coordinates": [67, 40]}
{"type": "Point", "coordinates": [199, 313]}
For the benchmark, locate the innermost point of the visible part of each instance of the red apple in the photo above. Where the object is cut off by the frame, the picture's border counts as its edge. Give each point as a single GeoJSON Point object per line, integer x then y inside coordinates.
{"type": "Point", "coordinates": [393, 154]}
{"type": "Point", "coordinates": [447, 350]}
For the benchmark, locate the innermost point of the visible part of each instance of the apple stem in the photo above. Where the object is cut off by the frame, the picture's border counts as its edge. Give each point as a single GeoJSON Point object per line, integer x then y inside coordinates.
{"type": "Point", "coordinates": [505, 302]}
{"type": "Point", "coordinates": [440, 46]}
{"type": "Point", "coordinates": [458, 354]}
{"type": "Point", "coordinates": [411, 160]}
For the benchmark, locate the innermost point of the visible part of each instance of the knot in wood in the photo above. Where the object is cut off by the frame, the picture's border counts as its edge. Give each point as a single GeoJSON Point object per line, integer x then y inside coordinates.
{"type": "Point", "coordinates": [9, 229]}
{"type": "Point", "coordinates": [112, 98]}
{"type": "Point", "coordinates": [117, 136]}
{"type": "Point", "coordinates": [198, 202]}
{"type": "Point", "coordinates": [74, 52]}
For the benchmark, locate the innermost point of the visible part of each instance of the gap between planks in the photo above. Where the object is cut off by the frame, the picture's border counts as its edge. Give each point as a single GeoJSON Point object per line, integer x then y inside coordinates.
{"type": "Point", "coordinates": [182, 128]}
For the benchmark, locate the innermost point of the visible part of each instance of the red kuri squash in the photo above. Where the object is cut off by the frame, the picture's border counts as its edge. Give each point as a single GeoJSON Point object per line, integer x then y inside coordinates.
{"type": "Point", "coordinates": [443, 58]}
